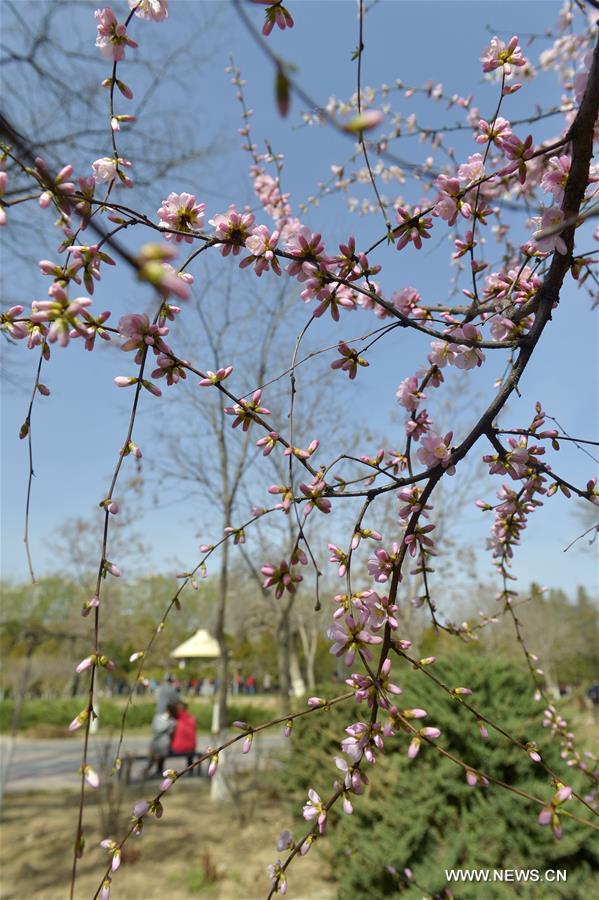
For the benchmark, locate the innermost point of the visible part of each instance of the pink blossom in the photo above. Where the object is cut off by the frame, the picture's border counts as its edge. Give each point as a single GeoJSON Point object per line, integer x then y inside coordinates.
{"type": "Point", "coordinates": [157, 10]}
{"type": "Point", "coordinates": [550, 222]}
{"type": "Point", "coordinates": [352, 637]}
{"type": "Point", "coordinates": [314, 492]}
{"type": "Point", "coordinates": [305, 247]}
{"type": "Point", "coordinates": [262, 244]}
{"type": "Point", "coordinates": [435, 450]}
{"type": "Point", "coordinates": [268, 443]}
{"type": "Point", "coordinates": [467, 357]}
{"type": "Point", "coordinates": [282, 576]}
{"type": "Point", "coordinates": [349, 360]}
{"type": "Point", "coordinates": [406, 301]}
{"type": "Point", "coordinates": [472, 170]}
{"type": "Point", "coordinates": [520, 152]}
{"type": "Point", "coordinates": [408, 394]}
{"type": "Point", "coordinates": [499, 55]}
{"type": "Point", "coordinates": [246, 411]}
{"type": "Point", "coordinates": [410, 497]}
{"type": "Point", "coordinates": [180, 212]}
{"type": "Point", "coordinates": [315, 808]}
{"type": "Point", "coordinates": [413, 226]}
{"type": "Point", "coordinates": [555, 177]}
{"type": "Point", "coordinates": [112, 38]}
{"type": "Point", "coordinates": [367, 533]}
{"type": "Point", "coordinates": [381, 565]}
{"type": "Point", "coordinates": [339, 557]}
{"type": "Point", "coordinates": [233, 228]}
{"type": "Point", "coordinates": [443, 352]}
{"type": "Point", "coordinates": [17, 330]}
{"type": "Point", "coordinates": [171, 369]}
{"type": "Point", "coordinates": [108, 169]}
{"type": "Point", "coordinates": [495, 131]}
{"type": "Point", "coordinates": [276, 14]}
{"type": "Point", "coordinates": [140, 333]}
{"type": "Point", "coordinates": [450, 200]}
{"type": "Point", "coordinates": [277, 876]}
{"type": "Point", "coordinates": [216, 377]}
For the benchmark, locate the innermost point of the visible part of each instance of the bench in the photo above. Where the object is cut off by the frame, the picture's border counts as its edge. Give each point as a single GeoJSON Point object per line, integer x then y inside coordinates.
{"type": "Point", "coordinates": [130, 759]}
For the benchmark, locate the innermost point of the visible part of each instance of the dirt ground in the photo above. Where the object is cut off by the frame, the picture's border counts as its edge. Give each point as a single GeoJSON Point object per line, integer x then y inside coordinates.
{"type": "Point", "coordinates": [196, 849]}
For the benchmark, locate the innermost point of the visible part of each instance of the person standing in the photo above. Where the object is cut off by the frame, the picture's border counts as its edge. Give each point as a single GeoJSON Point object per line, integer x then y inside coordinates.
{"type": "Point", "coordinates": [166, 693]}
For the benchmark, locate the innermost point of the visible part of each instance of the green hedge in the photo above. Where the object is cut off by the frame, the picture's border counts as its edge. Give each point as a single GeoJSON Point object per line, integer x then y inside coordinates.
{"type": "Point", "coordinates": [61, 712]}
{"type": "Point", "coordinates": [422, 814]}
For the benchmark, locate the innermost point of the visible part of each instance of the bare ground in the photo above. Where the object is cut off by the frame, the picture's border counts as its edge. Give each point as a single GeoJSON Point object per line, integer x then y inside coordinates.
{"type": "Point", "coordinates": [197, 849]}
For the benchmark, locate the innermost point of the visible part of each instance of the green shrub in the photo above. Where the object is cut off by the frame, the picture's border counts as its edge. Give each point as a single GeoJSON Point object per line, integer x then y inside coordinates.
{"type": "Point", "coordinates": [423, 815]}
{"type": "Point", "coordinates": [61, 712]}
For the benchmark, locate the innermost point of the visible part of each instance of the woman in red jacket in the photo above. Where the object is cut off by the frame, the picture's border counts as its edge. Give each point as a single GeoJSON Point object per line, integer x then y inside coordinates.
{"type": "Point", "coordinates": [184, 735]}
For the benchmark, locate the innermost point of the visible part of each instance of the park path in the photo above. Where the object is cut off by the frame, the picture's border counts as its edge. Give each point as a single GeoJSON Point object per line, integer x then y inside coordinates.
{"type": "Point", "coordinates": [53, 764]}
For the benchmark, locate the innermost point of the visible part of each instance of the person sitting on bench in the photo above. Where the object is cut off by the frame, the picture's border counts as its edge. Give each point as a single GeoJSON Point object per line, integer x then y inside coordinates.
{"type": "Point", "coordinates": [183, 741]}
{"type": "Point", "coordinates": [163, 725]}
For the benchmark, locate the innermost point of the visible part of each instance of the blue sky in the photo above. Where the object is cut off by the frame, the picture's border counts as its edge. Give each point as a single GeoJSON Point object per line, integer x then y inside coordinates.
{"type": "Point", "coordinates": [78, 430]}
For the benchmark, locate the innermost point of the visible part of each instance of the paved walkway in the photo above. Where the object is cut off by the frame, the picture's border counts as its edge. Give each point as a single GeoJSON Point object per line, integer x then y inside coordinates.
{"type": "Point", "coordinates": [32, 765]}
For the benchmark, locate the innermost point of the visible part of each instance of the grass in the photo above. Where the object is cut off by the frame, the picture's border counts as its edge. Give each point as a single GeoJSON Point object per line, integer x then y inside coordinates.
{"type": "Point", "coordinates": [50, 718]}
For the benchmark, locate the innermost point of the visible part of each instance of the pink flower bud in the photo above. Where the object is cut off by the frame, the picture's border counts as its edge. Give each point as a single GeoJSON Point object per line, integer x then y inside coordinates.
{"type": "Point", "coordinates": [86, 663]}
{"type": "Point", "coordinates": [79, 720]}
{"type": "Point", "coordinates": [141, 808]}
{"type": "Point", "coordinates": [414, 748]}
{"type": "Point", "coordinates": [92, 777]}
{"type": "Point", "coordinates": [545, 816]}
{"type": "Point", "coordinates": [169, 778]}
{"type": "Point", "coordinates": [431, 733]}
{"type": "Point", "coordinates": [563, 794]}
{"type": "Point", "coordinates": [213, 765]}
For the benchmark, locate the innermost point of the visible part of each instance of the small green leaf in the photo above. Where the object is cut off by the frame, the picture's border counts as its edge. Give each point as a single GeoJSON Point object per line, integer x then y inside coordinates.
{"type": "Point", "coordinates": [282, 92]}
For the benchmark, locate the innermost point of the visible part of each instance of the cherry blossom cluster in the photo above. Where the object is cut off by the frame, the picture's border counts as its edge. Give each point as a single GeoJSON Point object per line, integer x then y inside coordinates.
{"type": "Point", "coordinates": [508, 303]}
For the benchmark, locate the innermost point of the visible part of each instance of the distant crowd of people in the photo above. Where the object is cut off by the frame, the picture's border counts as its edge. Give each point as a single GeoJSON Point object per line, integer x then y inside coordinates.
{"type": "Point", "coordinates": [194, 686]}
{"type": "Point", "coordinates": [247, 684]}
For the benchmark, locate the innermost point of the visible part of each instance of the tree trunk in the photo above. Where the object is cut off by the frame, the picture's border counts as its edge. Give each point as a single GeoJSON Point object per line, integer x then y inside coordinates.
{"type": "Point", "coordinates": [283, 649]}
{"type": "Point", "coordinates": [298, 685]}
{"type": "Point", "coordinates": [309, 641]}
{"type": "Point", "coordinates": [223, 664]}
